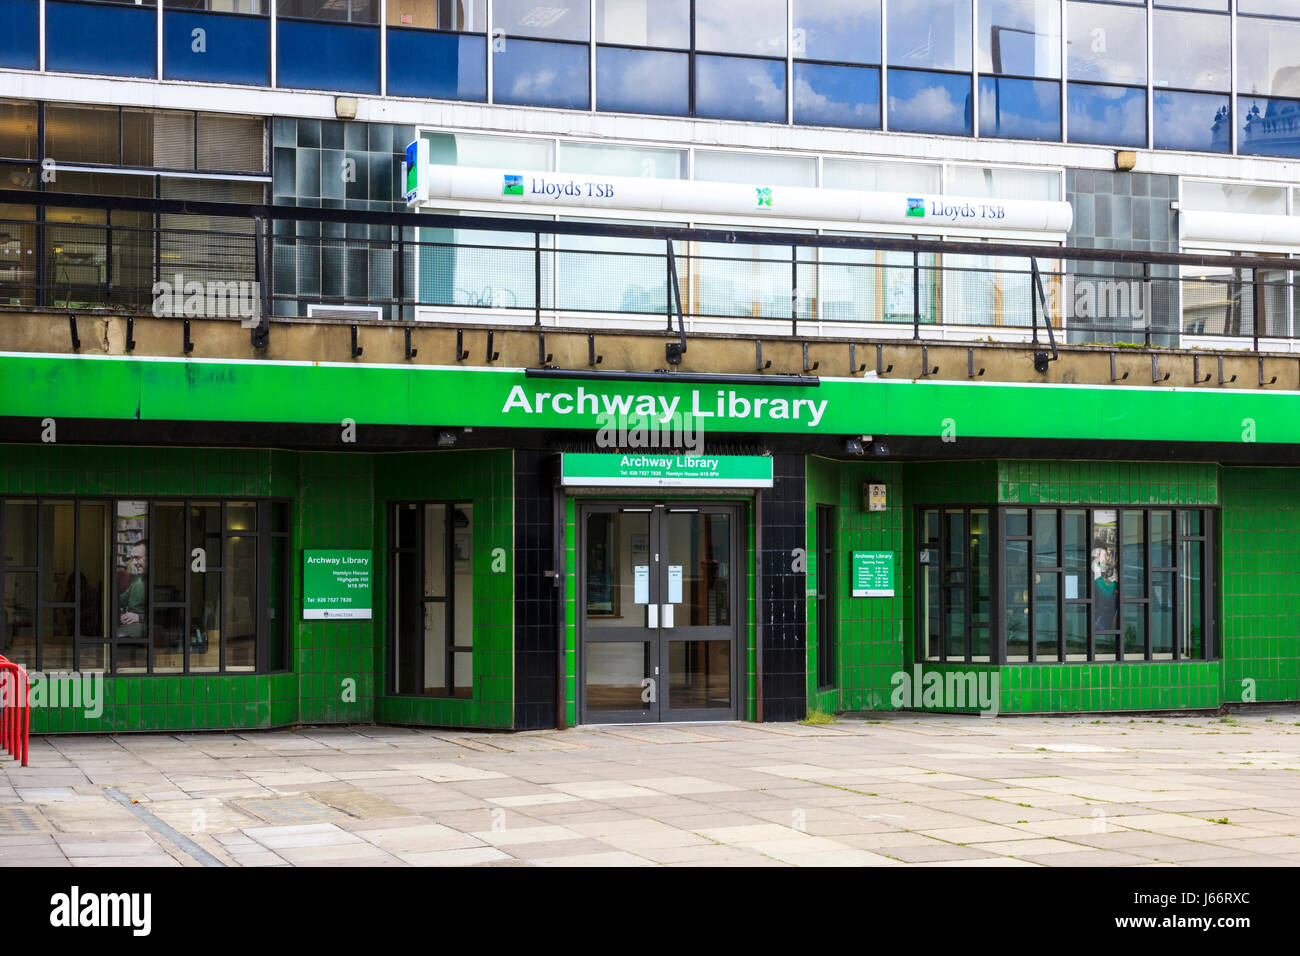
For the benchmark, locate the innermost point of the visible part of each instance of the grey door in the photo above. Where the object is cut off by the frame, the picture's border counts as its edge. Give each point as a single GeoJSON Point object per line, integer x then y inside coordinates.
{"type": "Point", "coordinates": [658, 621]}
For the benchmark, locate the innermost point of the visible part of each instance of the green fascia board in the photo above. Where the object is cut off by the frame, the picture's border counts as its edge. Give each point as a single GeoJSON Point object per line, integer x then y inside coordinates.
{"type": "Point", "coordinates": [102, 387]}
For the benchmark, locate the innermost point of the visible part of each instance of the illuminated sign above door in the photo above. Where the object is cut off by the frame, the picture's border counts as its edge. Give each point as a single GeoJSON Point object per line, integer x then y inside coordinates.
{"type": "Point", "coordinates": [665, 470]}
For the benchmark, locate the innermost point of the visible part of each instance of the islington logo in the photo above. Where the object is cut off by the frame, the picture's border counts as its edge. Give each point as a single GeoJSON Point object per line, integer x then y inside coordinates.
{"type": "Point", "coordinates": [512, 186]}
{"type": "Point", "coordinates": [916, 208]}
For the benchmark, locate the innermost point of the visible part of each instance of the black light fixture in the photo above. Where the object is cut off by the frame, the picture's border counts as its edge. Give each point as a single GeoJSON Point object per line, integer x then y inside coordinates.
{"type": "Point", "coordinates": [853, 446]}
{"type": "Point", "coordinates": [446, 439]}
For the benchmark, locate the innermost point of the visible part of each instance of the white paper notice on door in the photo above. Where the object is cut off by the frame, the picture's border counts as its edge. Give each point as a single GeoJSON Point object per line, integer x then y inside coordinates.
{"type": "Point", "coordinates": [674, 584]}
{"type": "Point", "coordinates": [641, 584]}
{"type": "Point", "coordinates": [1071, 587]}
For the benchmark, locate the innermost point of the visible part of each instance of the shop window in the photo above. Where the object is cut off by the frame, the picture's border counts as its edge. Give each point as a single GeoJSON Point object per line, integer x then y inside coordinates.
{"type": "Point", "coordinates": [145, 587]}
{"type": "Point", "coordinates": [431, 631]}
{"type": "Point", "coordinates": [826, 618]}
{"type": "Point", "coordinates": [1077, 584]}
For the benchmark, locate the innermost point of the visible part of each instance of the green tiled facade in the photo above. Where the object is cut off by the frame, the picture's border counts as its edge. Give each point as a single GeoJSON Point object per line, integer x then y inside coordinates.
{"type": "Point", "coordinates": [339, 500]}
{"type": "Point", "coordinates": [1257, 570]}
{"type": "Point", "coordinates": [1260, 568]}
{"type": "Point", "coordinates": [484, 479]}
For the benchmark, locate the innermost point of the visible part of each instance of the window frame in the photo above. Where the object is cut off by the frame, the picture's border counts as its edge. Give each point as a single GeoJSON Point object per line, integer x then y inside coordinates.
{"type": "Point", "coordinates": [1208, 540]}
{"type": "Point", "coordinates": [263, 534]}
{"type": "Point", "coordinates": [448, 600]}
{"type": "Point", "coordinates": [827, 665]}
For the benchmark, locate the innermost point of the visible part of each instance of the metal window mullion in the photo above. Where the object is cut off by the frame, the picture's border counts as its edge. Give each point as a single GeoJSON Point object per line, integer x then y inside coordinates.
{"type": "Point", "coordinates": [76, 584]}
{"type": "Point", "coordinates": [789, 62]}
{"type": "Point", "coordinates": [491, 54]}
{"type": "Point", "coordinates": [189, 598]}
{"type": "Point", "coordinates": [1232, 77]}
{"type": "Point", "coordinates": [1092, 631]}
{"type": "Point", "coordinates": [151, 554]}
{"type": "Point", "coordinates": [449, 590]}
{"type": "Point", "coordinates": [1151, 78]}
{"type": "Point", "coordinates": [1061, 654]}
{"type": "Point", "coordinates": [1176, 561]}
{"type": "Point", "coordinates": [1065, 127]}
{"type": "Point", "coordinates": [225, 611]}
{"type": "Point", "coordinates": [591, 56]}
{"type": "Point", "coordinates": [884, 66]}
{"type": "Point", "coordinates": [1146, 544]}
{"type": "Point", "coordinates": [975, 132]}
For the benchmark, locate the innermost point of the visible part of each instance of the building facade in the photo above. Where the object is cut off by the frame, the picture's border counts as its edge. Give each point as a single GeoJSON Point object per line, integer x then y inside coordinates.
{"type": "Point", "coordinates": [503, 365]}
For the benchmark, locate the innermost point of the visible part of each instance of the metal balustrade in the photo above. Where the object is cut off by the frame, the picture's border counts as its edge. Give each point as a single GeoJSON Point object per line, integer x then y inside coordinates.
{"type": "Point", "coordinates": [261, 263]}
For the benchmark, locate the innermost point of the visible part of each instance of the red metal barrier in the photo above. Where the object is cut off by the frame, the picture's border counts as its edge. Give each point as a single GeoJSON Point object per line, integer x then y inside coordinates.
{"type": "Point", "coordinates": [15, 715]}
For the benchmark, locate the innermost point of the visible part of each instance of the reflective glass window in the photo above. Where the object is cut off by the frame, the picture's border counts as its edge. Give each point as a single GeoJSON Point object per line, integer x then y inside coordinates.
{"type": "Point", "coordinates": [1020, 109]}
{"type": "Point", "coordinates": [1193, 121]}
{"type": "Point", "coordinates": [1020, 37]}
{"type": "Point", "coordinates": [922, 102]}
{"type": "Point", "coordinates": [1191, 50]}
{"type": "Point", "coordinates": [1108, 115]}
{"type": "Point", "coordinates": [535, 73]}
{"type": "Point", "coordinates": [1268, 57]}
{"type": "Point", "coordinates": [642, 81]}
{"type": "Point", "coordinates": [464, 16]}
{"type": "Point", "coordinates": [1106, 44]}
{"type": "Point", "coordinates": [938, 40]}
{"type": "Point", "coordinates": [846, 31]}
{"type": "Point", "coordinates": [345, 11]}
{"type": "Point", "coordinates": [657, 23]}
{"type": "Point", "coordinates": [755, 27]}
{"type": "Point", "coordinates": [832, 95]}
{"type": "Point", "coordinates": [740, 88]}
{"type": "Point", "coordinates": [554, 20]}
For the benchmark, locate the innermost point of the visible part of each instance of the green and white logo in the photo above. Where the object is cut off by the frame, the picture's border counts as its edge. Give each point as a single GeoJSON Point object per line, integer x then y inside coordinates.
{"type": "Point", "coordinates": [764, 196]}
{"type": "Point", "coordinates": [513, 186]}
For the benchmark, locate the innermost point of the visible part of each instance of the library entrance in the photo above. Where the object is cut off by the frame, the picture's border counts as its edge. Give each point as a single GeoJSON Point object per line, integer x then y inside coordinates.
{"type": "Point", "coordinates": [659, 612]}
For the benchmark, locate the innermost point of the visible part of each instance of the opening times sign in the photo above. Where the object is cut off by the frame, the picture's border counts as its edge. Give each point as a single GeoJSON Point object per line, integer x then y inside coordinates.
{"type": "Point", "coordinates": [873, 574]}
{"type": "Point", "coordinates": [337, 585]}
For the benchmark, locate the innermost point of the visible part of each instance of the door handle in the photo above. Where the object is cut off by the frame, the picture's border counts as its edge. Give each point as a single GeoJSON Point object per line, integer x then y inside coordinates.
{"type": "Point", "coordinates": [652, 612]}
{"type": "Point", "coordinates": [668, 615]}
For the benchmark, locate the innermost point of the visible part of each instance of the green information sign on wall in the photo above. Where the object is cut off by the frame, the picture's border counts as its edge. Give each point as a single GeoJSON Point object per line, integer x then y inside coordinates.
{"type": "Point", "coordinates": [873, 574]}
{"type": "Point", "coordinates": [666, 470]}
{"type": "Point", "coordinates": [336, 585]}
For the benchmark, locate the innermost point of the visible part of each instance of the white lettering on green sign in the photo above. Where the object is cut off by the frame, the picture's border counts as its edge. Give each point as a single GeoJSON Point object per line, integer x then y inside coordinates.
{"type": "Point", "coordinates": [873, 574]}
{"type": "Point", "coordinates": [725, 404]}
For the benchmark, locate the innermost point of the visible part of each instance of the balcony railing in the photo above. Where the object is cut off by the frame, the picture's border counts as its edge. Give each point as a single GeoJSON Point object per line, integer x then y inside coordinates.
{"type": "Point", "coordinates": [216, 260]}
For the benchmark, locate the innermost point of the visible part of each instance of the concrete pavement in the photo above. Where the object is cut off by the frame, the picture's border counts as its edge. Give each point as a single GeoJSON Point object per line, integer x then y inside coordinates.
{"type": "Point", "coordinates": [902, 789]}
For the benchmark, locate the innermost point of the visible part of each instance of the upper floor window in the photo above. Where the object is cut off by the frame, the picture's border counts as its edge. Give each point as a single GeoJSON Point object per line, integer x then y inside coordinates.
{"type": "Point", "coordinates": [345, 11]}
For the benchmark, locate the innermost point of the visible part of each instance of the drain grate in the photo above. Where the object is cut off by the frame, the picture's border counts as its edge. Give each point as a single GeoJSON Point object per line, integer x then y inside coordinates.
{"type": "Point", "coordinates": [22, 820]}
{"type": "Point", "coordinates": [286, 811]}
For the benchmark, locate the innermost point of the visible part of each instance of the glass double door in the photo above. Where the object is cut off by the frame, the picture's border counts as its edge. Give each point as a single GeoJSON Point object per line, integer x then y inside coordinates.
{"type": "Point", "coordinates": [659, 612]}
